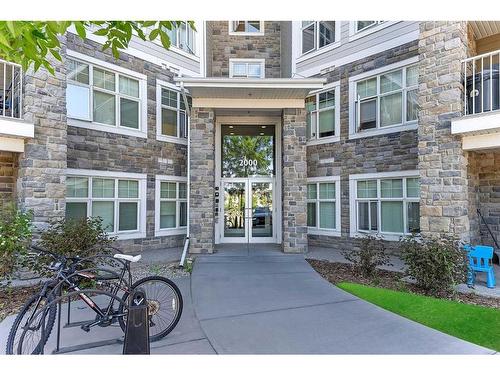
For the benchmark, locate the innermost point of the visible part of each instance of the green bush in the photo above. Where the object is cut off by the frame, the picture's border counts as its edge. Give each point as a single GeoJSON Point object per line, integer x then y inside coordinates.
{"type": "Point", "coordinates": [437, 265]}
{"type": "Point", "coordinates": [369, 256]}
{"type": "Point", "coordinates": [15, 236]}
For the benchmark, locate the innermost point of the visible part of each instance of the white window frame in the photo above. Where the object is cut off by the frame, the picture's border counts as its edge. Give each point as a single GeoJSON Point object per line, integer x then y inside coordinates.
{"type": "Point", "coordinates": [353, 202]}
{"type": "Point", "coordinates": [168, 138]}
{"type": "Point", "coordinates": [176, 46]}
{"type": "Point", "coordinates": [334, 86]}
{"type": "Point", "coordinates": [160, 232]}
{"type": "Point", "coordinates": [246, 33]}
{"type": "Point", "coordinates": [88, 123]}
{"type": "Point", "coordinates": [353, 101]}
{"type": "Point", "coordinates": [336, 232]}
{"type": "Point", "coordinates": [262, 63]}
{"type": "Point", "coordinates": [141, 200]}
{"type": "Point", "coordinates": [354, 33]}
{"type": "Point", "coordinates": [318, 50]}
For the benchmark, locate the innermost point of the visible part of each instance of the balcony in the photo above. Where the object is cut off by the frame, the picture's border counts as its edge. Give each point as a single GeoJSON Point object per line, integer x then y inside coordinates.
{"type": "Point", "coordinates": [13, 130]}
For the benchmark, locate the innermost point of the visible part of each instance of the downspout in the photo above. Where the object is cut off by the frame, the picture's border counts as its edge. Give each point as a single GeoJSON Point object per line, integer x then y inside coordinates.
{"type": "Point", "coordinates": [188, 112]}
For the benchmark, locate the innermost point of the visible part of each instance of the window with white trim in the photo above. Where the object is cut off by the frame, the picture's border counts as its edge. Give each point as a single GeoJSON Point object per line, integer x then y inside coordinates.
{"type": "Point", "coordinates": [388, 99]}
{"type": "Point", "coordinates": [317, 34]}
{"type": "Point", "coordinates": [388, 205]}
{"type": "Point", "coordinates": [117, 201]}
{"type": "Point", "coordinates": [173, 120]}
{"type": "Point", "coordinates": [323, 205]}
{"type": "Point", "coordinates": [246, 68]}
{"type": "Point", "coordinates": [103, 96]}
{"type": "Point", "coordinates": [172, 205]}
{"type": "Point", "coordinates": [183, 37]}
{"type": "Point", "coordinates": [363, 25]}
{"type": "Point", "coordinates": [322, 118]}
{"type": "Point", "coordinates": [246, 27]}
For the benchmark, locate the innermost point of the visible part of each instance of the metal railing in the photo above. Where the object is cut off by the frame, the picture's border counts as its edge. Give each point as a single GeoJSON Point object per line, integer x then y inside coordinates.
{"type": "Point", "coordinates": [11, 83]}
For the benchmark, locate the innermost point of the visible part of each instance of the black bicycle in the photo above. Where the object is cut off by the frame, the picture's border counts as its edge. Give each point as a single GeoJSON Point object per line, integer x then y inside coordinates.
{"type": "Point", "coordinates": [33, 325]}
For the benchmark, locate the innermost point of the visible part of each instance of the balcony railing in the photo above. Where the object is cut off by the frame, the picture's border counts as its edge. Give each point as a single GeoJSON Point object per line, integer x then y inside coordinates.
{"type": "Point", "coordinates": [11, 83]}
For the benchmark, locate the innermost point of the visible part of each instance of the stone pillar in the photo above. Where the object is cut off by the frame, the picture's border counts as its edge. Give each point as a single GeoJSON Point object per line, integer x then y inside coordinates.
{"type": "Point", "coordinates": [294, 181]}
{"type": "Point", "coordinates": [444, 197]}
{"type": "Point", "coordinates": [41, 181]}
{"type": "Point", "coordinates": [202, 178]}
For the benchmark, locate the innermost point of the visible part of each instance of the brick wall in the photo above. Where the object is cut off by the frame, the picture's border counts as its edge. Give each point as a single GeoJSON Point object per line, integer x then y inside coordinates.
{"type": "Point", "coordinates": [385, 153]}
{"type": "Point", "coordinates": [224, 47]}
{"type": "Point", "coordinates": [8, 175]}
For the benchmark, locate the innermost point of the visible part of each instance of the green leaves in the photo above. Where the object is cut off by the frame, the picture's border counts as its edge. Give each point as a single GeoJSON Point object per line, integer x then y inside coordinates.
{"type": "Point", "coordinates": [36, 43]}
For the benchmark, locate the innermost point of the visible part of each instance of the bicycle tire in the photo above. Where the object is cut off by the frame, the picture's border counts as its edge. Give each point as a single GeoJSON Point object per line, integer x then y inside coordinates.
{"type": "Point", "coordinates": [178, 314]}
{"type": "Point", "coordinates": [17, 322]}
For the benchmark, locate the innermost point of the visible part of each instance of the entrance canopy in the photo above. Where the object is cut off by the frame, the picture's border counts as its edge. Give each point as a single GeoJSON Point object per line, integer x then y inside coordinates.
{"type": "Point", "coordinates": [265, 93]}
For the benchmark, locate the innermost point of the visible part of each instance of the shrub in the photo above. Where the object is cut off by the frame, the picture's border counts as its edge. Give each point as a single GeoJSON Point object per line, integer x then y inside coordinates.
{"type": "Point", "coordinates": [15, 236]}
{"type": "Point", "coordinates": [437, 265]}
{"type": "Point", "coordinates": [369, 256]}
{"type": "Point", "coordinates": [74, 238]}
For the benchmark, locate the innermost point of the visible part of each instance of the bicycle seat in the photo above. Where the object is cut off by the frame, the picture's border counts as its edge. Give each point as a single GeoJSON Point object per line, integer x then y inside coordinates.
{"type": "Point", "coordinates": [128, 258]}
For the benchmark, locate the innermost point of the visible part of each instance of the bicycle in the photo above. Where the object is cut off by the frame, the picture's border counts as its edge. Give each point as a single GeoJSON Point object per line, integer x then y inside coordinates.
{"type": "Point", "coordinates": [33, 325]}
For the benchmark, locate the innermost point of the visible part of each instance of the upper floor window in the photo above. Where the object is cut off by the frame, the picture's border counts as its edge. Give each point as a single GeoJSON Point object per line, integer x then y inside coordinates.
{"type": "Point", "coordinates": [317, 34]}
{"type": "Point", "coordinates": [183, 37]}
{"type": "Point", "coordinates": [247, 68]}
{"type": "Point", "coordinates": [246, 27]}
{"type": "Point", "coordinates": [387, 205]}
{"type": "Point", "coordinates": [103, 96]}
{"type": "Point", "coordinates": [171, 113]}
{"type": "Point", "coordinates": [363, 25]}
{"type": "Point", "coordinates": [388, 99]}
{"type": "Point", "coordinates": [322, 117]}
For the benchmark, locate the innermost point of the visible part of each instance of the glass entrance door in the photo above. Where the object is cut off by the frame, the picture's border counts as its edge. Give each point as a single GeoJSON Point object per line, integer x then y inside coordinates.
{"type": "Point", "coordinates": [248, 210]}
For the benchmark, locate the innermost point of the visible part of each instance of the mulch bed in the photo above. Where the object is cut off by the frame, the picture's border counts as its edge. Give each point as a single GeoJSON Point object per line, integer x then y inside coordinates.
{"type": "Point", "coordinates": [11, 300]}
{"type": "Point", "coordinates": [342, 272]}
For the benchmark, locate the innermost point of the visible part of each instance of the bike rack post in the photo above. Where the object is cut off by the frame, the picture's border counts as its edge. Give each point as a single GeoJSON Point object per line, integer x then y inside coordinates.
{"type": "Point", "coordinates": [137, 331]}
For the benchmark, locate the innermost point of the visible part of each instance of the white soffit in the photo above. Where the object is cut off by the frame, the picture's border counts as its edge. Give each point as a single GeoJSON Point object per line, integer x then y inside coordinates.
{"type": "Point", "coordinates": [483, 29]}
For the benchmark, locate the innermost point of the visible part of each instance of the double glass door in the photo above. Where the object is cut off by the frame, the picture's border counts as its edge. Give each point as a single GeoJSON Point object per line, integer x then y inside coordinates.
{"type": "Point", "coordinates": [248, 210]}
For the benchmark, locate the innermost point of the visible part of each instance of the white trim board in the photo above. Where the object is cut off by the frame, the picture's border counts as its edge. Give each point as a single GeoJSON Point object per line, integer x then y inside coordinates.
{"type": "Point", "coordinates": [97, 173]}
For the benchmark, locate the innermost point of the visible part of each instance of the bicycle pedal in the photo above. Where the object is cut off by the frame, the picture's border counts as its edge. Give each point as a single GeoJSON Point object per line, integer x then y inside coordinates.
{"type": "Point", "coordinates": [85, 328]}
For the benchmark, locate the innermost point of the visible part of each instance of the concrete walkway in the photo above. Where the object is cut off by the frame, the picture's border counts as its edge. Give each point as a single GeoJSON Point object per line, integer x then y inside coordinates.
{"type": "Point", "coordinates": [257, 300]}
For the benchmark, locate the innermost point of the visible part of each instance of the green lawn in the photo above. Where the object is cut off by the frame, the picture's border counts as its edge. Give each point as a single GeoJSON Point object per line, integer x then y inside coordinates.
{"type": "Point", "coordinates": [477, 324]}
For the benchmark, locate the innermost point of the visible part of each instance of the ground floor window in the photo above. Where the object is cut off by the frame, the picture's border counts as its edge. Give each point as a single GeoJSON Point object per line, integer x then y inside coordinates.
{"type": "Point", "coordinates": [118, 201]}
{"type": "Point", "coordinates": [323, 204]}
{"type": "Point", "coordinates": [388, 204]}
{"type": "Point", "coordinates": [171, 205]}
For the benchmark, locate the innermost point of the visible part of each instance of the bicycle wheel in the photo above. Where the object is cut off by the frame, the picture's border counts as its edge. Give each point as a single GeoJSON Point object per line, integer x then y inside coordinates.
{"type": "Point", "coordinates": [25, 336]}
{"type": "Point", "coordinates": [164, 305]}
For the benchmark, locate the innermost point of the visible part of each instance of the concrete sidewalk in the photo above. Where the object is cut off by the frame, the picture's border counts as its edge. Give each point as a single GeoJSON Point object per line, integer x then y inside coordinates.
{"type": "Point", "coordinates": [264, 302]}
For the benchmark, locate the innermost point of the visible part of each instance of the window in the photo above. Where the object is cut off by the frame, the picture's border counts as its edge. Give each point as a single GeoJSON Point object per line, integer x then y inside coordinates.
{"type": "Point", "coordinates": [322, 114]}
{"type": "Point", "coordinates": [183, 37]}
{"type": "Point", "coordinates": [246, 27]}
{"type": "Point", "coordinates": [317, 34]}
{"type": "Point", "coordinates": [171, 205]}
{"type": "Point", "coordinates": [323, 204]}
{"type": "Point", "coordinates": [246, 68]}
{"type": "Point", "coordinates": [117, 201]}
{"type": "Point", "coordinates": [388, 99]}
{"type": "Point", "coordinates": [363, 25]}
{"type": "Point", "coordinates": [388, 205]}
{"type": "Point", "coordinates": [103, 96]}
{"type": "Point", "coordinates": [172, 120]}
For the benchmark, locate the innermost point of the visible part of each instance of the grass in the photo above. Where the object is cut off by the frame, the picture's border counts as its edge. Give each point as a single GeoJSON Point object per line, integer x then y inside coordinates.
{"type": "Point", "coordinates": [476, 324]}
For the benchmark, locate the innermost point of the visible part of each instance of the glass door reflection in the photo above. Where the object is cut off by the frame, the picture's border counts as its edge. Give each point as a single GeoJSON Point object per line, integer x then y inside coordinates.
{"type": "Point", "coordinates": [261, 197]}
{"type": "Point", "coordinates": [234, 209]}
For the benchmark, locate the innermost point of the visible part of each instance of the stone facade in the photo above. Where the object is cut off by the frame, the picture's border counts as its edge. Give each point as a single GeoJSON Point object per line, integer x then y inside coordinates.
{"type": "Point", "coordinates": [223, 47]}
{"type": "Point", "coordinates": [106, 151]}
{"type": "Point", "coordinates": [444, 199]}
{"type": "Point", "coordinates": [202, 178]}
{"type": "Point", "coordinates": [42, 167]}
{"type": "Point", "coordinates": [8, 175]}
{"type": "Point", "coordinates": [294, 181]}
{"type": "Point", "coordinates": [384, 153]}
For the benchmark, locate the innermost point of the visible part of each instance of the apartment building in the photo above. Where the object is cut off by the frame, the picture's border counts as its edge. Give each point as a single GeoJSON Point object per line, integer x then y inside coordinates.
{"type": "Point", "coordinates": [297, 133]}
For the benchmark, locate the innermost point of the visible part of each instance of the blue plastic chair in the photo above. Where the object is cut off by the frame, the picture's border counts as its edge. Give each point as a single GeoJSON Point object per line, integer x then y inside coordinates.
{"type": "Point", "coordinates": [480, 260]}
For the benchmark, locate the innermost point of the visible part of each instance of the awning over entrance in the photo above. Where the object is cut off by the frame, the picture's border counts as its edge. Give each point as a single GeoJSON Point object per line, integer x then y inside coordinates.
{"type": "Point", "coordinates": [272, 93]}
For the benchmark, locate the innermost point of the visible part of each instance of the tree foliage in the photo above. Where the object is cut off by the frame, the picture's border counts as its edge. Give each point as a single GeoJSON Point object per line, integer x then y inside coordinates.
{"type": "Point", "coordinates": [36, 43]}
